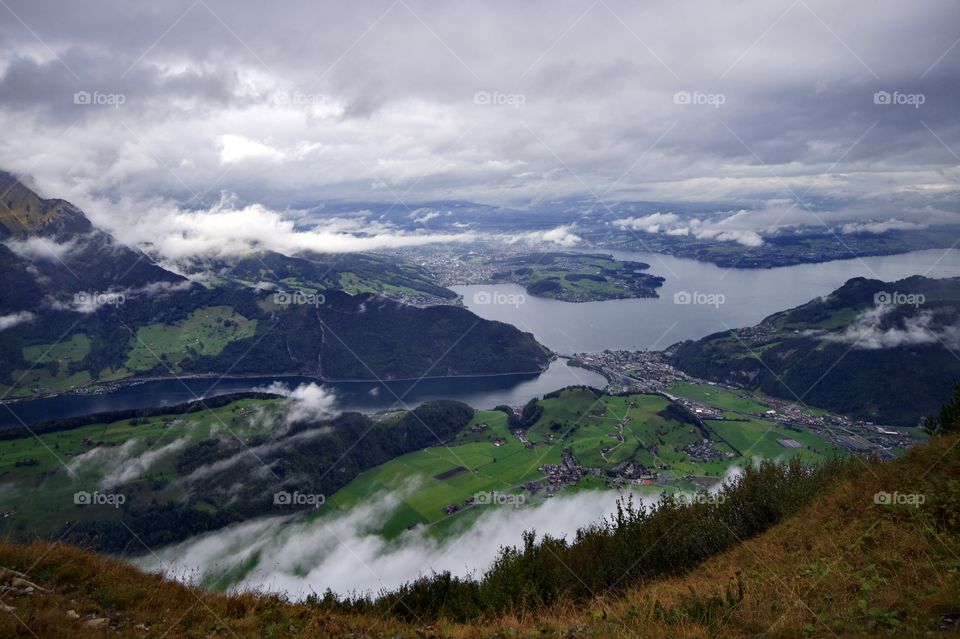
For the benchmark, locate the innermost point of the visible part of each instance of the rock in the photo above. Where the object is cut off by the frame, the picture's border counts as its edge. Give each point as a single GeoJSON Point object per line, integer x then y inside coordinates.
{"type": "Point", "coordinates": [6, 573]}
{"type": "Point", "coordinates": [96, 622]}
{"type": "Point", "coordinates": [948, 621]}
{"type": "Point", "coordinates": [19, 582]}
{"type": "Point", "coordinates": [73, 614]}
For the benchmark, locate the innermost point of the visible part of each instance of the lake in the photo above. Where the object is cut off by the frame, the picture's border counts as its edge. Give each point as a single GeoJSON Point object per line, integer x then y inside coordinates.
{"type": "Point", "coordinates": [479, 392]}
{"type": "Point", "coordinates": [719, 298]}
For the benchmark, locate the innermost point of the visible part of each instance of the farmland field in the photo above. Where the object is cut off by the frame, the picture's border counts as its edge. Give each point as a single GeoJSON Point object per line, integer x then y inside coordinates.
{"type": "Point", "coordinates": [719, 397]}
{"type": "Point", "coordinates": [207, 331]}
{"type": "Point", "coordinates": [575, 419]}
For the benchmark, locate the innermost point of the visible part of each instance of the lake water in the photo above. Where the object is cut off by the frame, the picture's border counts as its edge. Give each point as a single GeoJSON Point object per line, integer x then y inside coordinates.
{"type": "Point", "coordinates": [479, 392]}
{"type": "Point", "coordinates": [719, 298]}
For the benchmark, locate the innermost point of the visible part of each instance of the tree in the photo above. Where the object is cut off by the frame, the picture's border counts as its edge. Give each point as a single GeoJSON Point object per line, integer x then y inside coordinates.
{"type": "Point", "coordinates": [948, 421]}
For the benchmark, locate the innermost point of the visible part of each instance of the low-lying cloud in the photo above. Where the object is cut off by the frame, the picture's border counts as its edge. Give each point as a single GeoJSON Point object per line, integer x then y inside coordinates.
{"type": "Point", "coordinates": [881, 227]}
{"type": "Point", "coordinates": [117, 465]}
{"type": "Point", "coordinates": [41, 248]}
{"type": "Point", "coordinates": [175, 235]}
{"type": "Point", "coordinates": [307, 402]}
{"type": "Point", "coordinates": [868, 332]}
{"type": "Point", "coordinates": [723, 230]}
{"type": "Point", "coordinates": [14, 319]}
{"type": "Point", "coordinates": [344, 552]}
{"type": "Point", "coordinates": [562, 236]}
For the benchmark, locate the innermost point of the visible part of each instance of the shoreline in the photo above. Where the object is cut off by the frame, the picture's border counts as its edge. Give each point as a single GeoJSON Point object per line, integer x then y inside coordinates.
{"type": "Point", "coordinates": [110, 387]}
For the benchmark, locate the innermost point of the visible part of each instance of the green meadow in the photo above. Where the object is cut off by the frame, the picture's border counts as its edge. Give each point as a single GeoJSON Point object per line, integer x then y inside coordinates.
{"type": "Point", "coordinates": [207, 331]}
{"type": "Point", "coordinates": [603, 432]}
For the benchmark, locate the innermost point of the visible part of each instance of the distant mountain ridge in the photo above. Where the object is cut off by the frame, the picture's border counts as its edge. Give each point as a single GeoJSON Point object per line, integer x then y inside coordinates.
{"type": "Point", "coordinates": [878, 351]}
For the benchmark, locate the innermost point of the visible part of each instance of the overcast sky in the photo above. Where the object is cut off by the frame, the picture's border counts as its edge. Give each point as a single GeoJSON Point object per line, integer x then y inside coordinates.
{"type": "Point", "coordinates": [770, 106]}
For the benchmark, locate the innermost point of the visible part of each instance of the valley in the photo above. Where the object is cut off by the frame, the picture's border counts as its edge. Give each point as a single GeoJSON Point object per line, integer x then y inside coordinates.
{"type": "Point", "coordinates": [685, 437]}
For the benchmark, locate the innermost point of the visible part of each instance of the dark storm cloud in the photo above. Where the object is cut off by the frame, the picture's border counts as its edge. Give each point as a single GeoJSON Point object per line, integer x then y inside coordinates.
{"type": "Point", "coordinates": [752, 103]}
{"type": "Point", "coordinates": [47, 88]}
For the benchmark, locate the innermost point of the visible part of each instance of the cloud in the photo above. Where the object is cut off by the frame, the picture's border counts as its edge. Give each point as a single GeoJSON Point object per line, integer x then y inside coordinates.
{"type": "Point", "coordinates": [126, 467]}
{"type": "Point", "coordinates": [306, 403]}
{"type": "Point", "coordinates": [426, 217]}
{"type": "Point", "coordinates": [561, 236]}
{"type": "Point", "coordinates": [744, 237]}
{"type": "Point", "coordinates": [649, 223]}
{"type": "Point", "coordinates": [116, 465]}
{"type": "Point", "coordinates": [13, 319]}
{"type": "Point", "coordinates": [41, 248]}
{"type": "Point", "coordinates": [871, 330]}
{"type": "Point", "coordinates": [343, 551]}
{"type": "Point", "coordinates": [175, 235]}
{"type": "Point", "coordinates": [236, 148]}
{"type": "Point", "coordinates": [161, 288]}
{"type": "Point", "coordinates": [201, 109]}
{"type": "Point", "coordinates": [878, 228]}
{"type": "Point", "coordinates": [255, 456]}
{"type": "Point", "coordinates": [88, 302]}
{"type": "Point", "coordinates": [728, 228]}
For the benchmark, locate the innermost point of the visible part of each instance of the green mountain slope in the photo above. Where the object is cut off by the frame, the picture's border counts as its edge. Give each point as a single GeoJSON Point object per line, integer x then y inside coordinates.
{"type": "Point", "coordinates": [880, 351]}
{"type": "Point", "coordinates": [91, 311]}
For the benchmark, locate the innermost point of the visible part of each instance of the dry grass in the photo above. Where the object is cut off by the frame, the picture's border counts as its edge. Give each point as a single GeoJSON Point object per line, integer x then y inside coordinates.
{"type": "Point", "coordinates": [843, 567]}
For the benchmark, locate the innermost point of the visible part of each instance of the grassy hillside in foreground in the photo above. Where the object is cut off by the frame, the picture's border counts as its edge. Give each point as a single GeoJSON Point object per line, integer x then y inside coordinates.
{"type": "Point", "coordinates": [843, 566]}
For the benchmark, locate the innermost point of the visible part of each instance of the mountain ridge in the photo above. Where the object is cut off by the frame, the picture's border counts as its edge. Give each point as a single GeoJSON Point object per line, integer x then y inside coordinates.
{"type": "Point", "coordinates": [840, 351]}
{"type": "Point", "coordinates": [81, 309]}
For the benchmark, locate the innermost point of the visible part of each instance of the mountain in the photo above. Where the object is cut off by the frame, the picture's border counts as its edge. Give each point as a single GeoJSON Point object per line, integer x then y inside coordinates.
{"type": "Point", "coordinates": [78, 309]}
{"type": "Point", "coordinates": [877, 351]}
{"type": "Point", "coordinates": [50, 252]}
{"type": "Point", "coordinates": [865, 557]}
{"type": "Point", "coordinates": [23, 213]}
